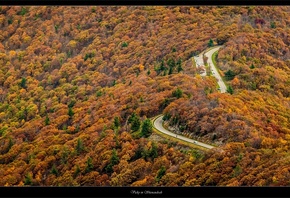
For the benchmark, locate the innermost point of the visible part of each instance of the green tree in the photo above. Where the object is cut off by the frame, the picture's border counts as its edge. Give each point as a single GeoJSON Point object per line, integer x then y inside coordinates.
{"type": "Point", "coordinates": [79, 146]}
{"type": "Point", "coordinates": [89, 166]}
{"type": "Point", "coordinates": [230, 89]}
{"type": "Point", "coordinates": [10, 144]}
{"type": "Point", "coordinates": [210, 43]}
{"type": "Point", "coordinates": [179, 65]}
{"type": "Point", "coordinates": [54, 170]}
{"type": "Point", "coordinates": [113, 161]}
{"type": "Point", "coordinates": [46, 121]}
{"type": "Point", "coordinates": [23, 83]}
{"type": "Point", "coordinates": [77, 171]}
{"type": "Point", "coordinates": [229, 75]}
{"type": "Point", "coordinates": [170, 71]}
{"type": "Point", "coordinates": [28, 179]}
{"type": "Point", "coordinates": [72, 103]}
{"type": "Point", "coordinates": [148, 72]}
{"type": "Point", "coordinates": [153, 151]}
{"type": "Point", "coordinates": [171, 63]}
{"type": "Point", "coordinates": [70, 112]}
{"type": "Point", "coordinates": [177, 93]}
{"type": "Point", "coordinates": [273, 25]}
{"type": "Point", "coordinates": [147, 128]}
{"type": "Point", "coordinates": [162, 66]}
{"type": "Point", "coordinates": [131, 118]}
{"type": "Point", "coordinates": [23, 11]}
{"type": "Point", "coordinates": [165, 73]}
{"type": "Point", "coordinates": [160, 173]}
{"type": "Point", "coordinates": [252, 66]}
{"type": "Point", "coordinates": [117, 123]}
{"type": "Point", "coordinates": [99, 93]}
{"type": "Point", "coordinates": [166, 116]}
{"type": "Point", "coordinates": [124, 44]}
{"type": "Point", "coordinates": [114, 83]}
{"type": "Point", "coordinates": [88, 55]}
{"type": "Point", "coordinates": [136, 123]}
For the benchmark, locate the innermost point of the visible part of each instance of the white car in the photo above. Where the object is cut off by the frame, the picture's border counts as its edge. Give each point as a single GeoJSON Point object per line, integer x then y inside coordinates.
{"type": "Point", "coordinates": [194, 142]}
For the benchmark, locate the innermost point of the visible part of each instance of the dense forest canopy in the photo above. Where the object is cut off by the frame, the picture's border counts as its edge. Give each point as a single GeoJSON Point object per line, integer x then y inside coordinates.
{"type": "Point", "coordinates": [78, 84]}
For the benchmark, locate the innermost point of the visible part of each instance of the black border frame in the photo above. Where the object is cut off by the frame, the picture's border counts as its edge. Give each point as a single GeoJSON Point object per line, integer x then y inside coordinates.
{"type": "Point", "coordinates": [226, 192]}
{"type": "Point", "coordinates": [196, 192]}
{"type": "Point", "coordinates": [147, 2]}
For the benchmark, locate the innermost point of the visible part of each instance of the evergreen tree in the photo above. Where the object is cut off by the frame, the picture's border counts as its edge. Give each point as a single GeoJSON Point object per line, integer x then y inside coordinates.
{"type": "Point", "coordinates": [147, 128]}
{"type": "Point", "coordinates": [230, 75]}
{"type": "Point", "coordinates": [171, 63]}
{"type": "Point", "coordinates": [70, 112]}
{"type": "Point", "coordinates": [230, 89]}
{"type": "Point", "coordinates": [90, 165]}
{"type": "Point", "coordinates": [28, 179]}
{"type": "Point", "coordinates": [162, 66]}
{"type": "Point", "coordinates": [273, 25]}
{"type": "Point", "coordinates": [114, 83]}
{"type": "Point", "coordinates": [148, 72]}
{"type": "Point", "coordinates": [79, 146]}
{"type": "Point", "coordinates": [131, 118]}
{"type": "Point", "coordinates": [170, 71]}
{"type": "Point", "coordinates": [117, 123]}
{"type": "Point", "coordinates": [166, 117]}
{"type": "Point", "coordinates": [252, 66]}
{"type": "Point", "coordinates": [54, 170]}
{"type": "Point", "coordinates": [23, 83]}
{"type": "Point", "coordinates": [136, 123]}
{"type": "Point", "coordinates": [160, 173]}
{"type": "Point", "coordinates": [46, 121]}
{"type": "Point", "coordinates": [210, 43]}
{"type": "Point", "coordinates": [165, 73]}
{"type": "Point", "coordinates": [154, 151]}
{"type": "Point", "coordinates": [77, 171]}
{"type": "Point", "coordinates": [177, 93]}
{"type": "Point", "coordinates": [179, 65]}
{"type": "Point", "coordinates": [113, 161]}
{"type": "Point", "coordinates": [10, 144]}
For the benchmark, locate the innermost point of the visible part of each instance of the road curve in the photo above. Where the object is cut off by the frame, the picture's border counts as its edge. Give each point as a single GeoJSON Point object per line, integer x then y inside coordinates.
{"type": "Point", "coordinates": [157, 123]}
{"type": "Point", "coordinates": [199, 62]}
{"type": "Point", "coordinates": [216, 74]}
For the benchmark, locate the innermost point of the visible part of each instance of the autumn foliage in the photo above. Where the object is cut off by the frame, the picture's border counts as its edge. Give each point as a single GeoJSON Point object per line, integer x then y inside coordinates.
{"type": "Point", "coordinates": [72, 77]}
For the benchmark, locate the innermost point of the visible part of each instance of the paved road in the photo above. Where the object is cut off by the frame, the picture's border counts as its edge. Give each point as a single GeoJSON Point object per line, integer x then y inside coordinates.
{"type": "Point", "coordinates": [158, 125]}
{"type": "Point", "coordinates": [221, 83]}
{"type": "Point", "coordinates": [199, 62]}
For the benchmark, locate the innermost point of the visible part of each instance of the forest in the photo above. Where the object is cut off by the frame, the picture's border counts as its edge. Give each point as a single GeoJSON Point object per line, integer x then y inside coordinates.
{"type": "Point", "coordinates": [78, 86]}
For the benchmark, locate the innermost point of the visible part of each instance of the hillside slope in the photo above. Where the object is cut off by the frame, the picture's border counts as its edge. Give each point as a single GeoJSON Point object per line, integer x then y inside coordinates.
{"type": "Point", "coordinates": [72, 77]}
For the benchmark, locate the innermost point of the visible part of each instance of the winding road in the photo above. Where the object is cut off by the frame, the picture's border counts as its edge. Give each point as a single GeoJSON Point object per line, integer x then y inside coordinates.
{"type": "Point", "coordinates": [199, 62]}
{"type": "Point", "coordinates": [158, 122]}
{"type": "Point", "coordinates": [223, 88]}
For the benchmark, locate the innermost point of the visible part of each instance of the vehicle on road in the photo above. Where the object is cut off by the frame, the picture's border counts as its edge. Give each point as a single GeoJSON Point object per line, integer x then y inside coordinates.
{"type": "Point", "coordinates": [194, 142]}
